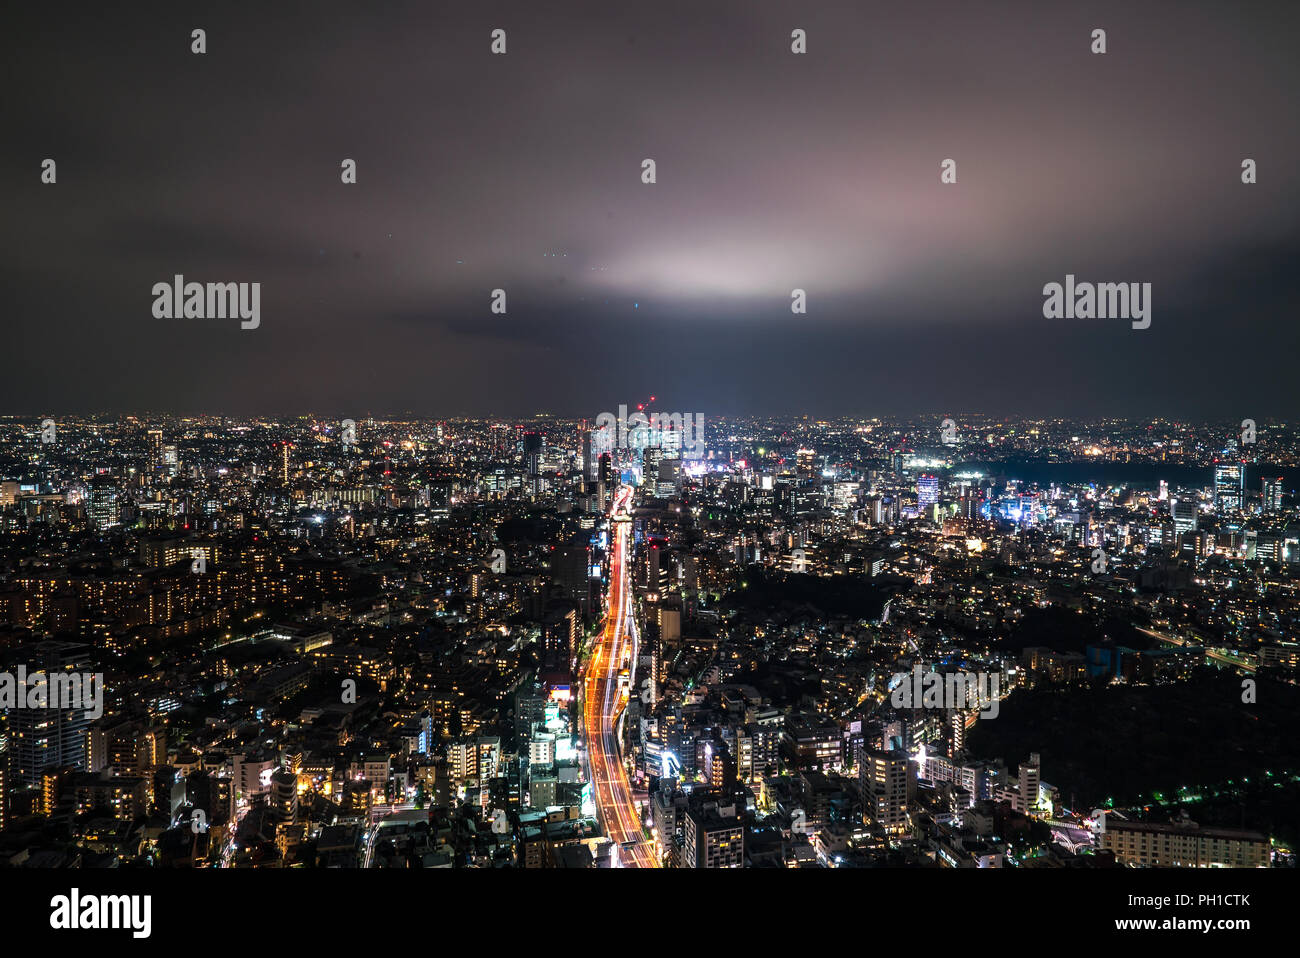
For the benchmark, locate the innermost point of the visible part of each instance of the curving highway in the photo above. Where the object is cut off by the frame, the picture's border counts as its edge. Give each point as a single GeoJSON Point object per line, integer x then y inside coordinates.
{"type": "Point", "coordinates": [604, 698]}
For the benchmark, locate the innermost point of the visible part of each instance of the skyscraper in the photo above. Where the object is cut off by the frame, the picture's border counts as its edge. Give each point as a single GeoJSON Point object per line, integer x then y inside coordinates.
{"type": "Point", "coordinates": [927, 491]}
{"type": "Point", "coordinates": [1273, 495]}
{"type": "Point", "coordinates": [571, 570]}
{"type": "Point", "coordinates": [1229, 486]}
{"type": "Point", "coordinates": [533, 460]}
{"type": "Point", "coordinates": [102, 509]}
{"type": "Point", "coordinates": [650, 466]}
{"type": "Point", "coordinates": [1183, 511]}
{"type": "Point", "coordinates": [155, 442]}
{"type": "Point", "coordinates": [588, 466]}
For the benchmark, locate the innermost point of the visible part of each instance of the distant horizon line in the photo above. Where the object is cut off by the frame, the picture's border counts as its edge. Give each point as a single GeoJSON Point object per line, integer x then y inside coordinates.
{"type": "Point", "coordinates": [411, 416]}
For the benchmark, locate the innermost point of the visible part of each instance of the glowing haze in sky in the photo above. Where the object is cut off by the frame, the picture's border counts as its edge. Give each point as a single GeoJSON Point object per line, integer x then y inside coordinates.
{"type": "Point", "coordinates": [775, 171]}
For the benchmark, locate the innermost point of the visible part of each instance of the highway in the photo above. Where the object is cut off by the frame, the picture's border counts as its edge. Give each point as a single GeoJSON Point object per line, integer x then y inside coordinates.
{"type": "Point", "coordinates": [604, 700]}
{"type": "Point", "coordinates": [1222, 656]}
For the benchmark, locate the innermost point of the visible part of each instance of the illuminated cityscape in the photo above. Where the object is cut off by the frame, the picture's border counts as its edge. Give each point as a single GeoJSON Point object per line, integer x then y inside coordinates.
{"type": "Point", "coordinates": [646, 440]}
{"type": "Point", "coordinates": [463, 643]}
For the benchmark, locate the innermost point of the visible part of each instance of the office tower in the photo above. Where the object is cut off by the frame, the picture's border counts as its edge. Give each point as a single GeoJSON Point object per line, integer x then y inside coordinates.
{"type": "Point", "coordinates": [560, 631]}
{"type": "Point", "coordinates": [1273, 495]}
{"type": "Point", "coordinates": [690, 574]}
{"type": "Point", "coordinates": [1164, 491]}
{"type": "Point", "coordinates": [571, 571]}
{"type": "Point", "coordinates": [588, 465]}
{"type": "Point", "coordinates": [652, 579]}
{"type": "Point", "coordinates": [1270, 547]}
{"type": "Point", "coordinates": [533, 456]}
{"type": "Point", "coordinates": [605, 473]}
{"type": "Point", "coordinates": [650, 471]}
{"type": "Point", "coordinates": [102, 510]}
{"type": "Point", "coordinates": [671, 437]}
{"type": "Point", "coordinates": [883, 776]}
{"type": "Point", "coordinates": [1229, 486]}
{"type": "Point", "coordinates": [155, 444]}
{"type": "Point", "coordinates": [927, 491]}
{"type": "Point", "coordinates": [1184, 512]}
{"type": "Point", "coordinates": [532, 447]}
{"type": "Point", "coordinates": [669, 470]}
{"type": "Point", "coordinates": [284, 462]}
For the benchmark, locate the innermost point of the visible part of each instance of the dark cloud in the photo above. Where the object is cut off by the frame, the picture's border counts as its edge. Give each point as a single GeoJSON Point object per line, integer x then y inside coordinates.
{"type": "Point", "coordinates": [775, 171]}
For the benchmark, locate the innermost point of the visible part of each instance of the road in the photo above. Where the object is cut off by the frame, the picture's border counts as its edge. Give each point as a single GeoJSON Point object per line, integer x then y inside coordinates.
{"type": "Point", "coordinates": [604, 700]}
{"type": "Point", "coordinates": [1222, 656]}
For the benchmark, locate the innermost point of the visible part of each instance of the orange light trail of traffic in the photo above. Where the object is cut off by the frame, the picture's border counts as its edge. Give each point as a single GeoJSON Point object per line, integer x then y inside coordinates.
{"type": "Point", "coordinates": [603, 703]}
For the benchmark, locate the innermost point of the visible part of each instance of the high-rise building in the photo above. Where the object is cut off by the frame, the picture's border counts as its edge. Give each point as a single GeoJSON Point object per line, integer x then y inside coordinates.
{"type": "Point", "coordinates": [560, 633]}
{"type": "Point", "coordinates": [650, 466]}
{"type": "Point", "coordinates": [1273, 495]}
{"type": "Point", "coordinates": [571, 572]}
{"type": "Point", "coordinates": [884, 786]}
{"type": "Point", "coordinates": [102, 509]}
{"type": "Point", "coordinates": [927, 491]}
{"type": "Point", "coordinates": [653, 579]}
{"type": "Point", "coordinates": [714, 835]}
{"type": "Point", "coordinates": [1030, 777]}
{"type": "Point", "coordinates": [603, 483]}
{"type": "Point", "coordinates": [588, 464]}
{"type": "Point", "coordinates": [155, 443]}
{"type": "Point", "coordinates": [51, 737]}
{"type": "Point", "coordinates": [1183, 511]}
{"type": "Point", "coordinates": [284, 461]}
{"type": "Point", "coordinates": [533, 456]}
{"type": "Point", "coordinates": [669, 474]}
{"type": "Point", "coordinates": [1229, 486]}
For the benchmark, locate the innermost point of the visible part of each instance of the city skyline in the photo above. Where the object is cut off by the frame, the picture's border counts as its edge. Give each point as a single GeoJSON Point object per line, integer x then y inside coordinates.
{"type": "Point", "coordinates": [481, 644]}
{"type": "Point", "coordinates": [471, 440]}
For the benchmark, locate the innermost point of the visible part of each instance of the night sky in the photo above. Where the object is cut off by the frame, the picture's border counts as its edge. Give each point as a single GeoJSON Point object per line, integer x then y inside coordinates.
{"type": "Point", "coordinates": [775, 171]}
